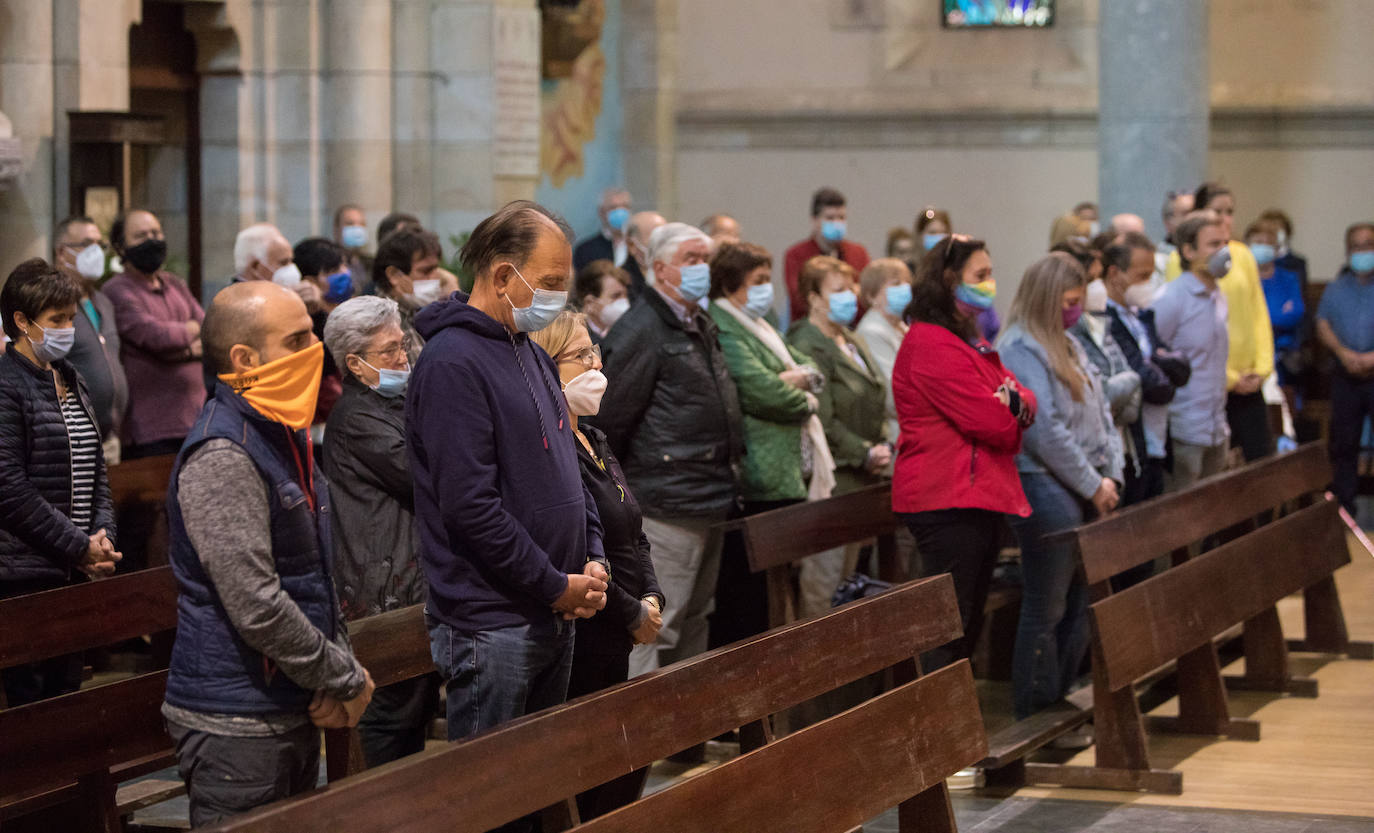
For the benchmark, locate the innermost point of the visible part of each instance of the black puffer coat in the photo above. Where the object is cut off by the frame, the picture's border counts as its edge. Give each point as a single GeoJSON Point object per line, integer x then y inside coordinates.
{"type": "Point", "coordinates": [37, 538]}
{"type": "Point", "coordinates": [670, 411]}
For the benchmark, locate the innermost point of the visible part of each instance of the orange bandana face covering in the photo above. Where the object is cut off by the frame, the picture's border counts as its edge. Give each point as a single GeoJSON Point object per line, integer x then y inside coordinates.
{"type": "Point", "coordinates": [285, 390]}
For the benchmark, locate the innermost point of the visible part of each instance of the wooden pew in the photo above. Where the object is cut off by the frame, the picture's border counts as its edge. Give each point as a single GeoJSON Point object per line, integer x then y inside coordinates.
{"type": "Point", "coordinates": [138, 490]}
{"type": "Point", "coordinates": [76, 749]}
{"type": "Point", "coordinates": [895, 749]}
{"type": "Point", "coordinates": [775, 541]}
{"type": "Point", "coordinates": [1176, 616]}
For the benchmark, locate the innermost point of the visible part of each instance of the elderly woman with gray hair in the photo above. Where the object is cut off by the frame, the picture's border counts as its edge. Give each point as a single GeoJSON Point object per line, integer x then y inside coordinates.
{"type": "Point", "coordinates": [376, 566]}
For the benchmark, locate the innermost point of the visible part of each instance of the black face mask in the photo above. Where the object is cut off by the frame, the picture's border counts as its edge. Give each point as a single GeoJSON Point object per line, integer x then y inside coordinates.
{"type": "Point", "coordinates": [148, 256]}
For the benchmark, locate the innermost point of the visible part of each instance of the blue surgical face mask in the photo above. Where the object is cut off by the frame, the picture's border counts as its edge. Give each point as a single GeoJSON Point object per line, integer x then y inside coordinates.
{"type": "Point", "coordinates": [340, 287]}
{"type": "Point", "coordinates": [1362, 262]}
{"type": "Point", "coordinates": [760, 300]}
{"type": "Point", "coordinates": [929, 240]}
{"type": "Point", "coordinates": [833, 230]}
{"type": "Point", "coordinates": [844, 305]}
{"type": "Point", "coordinates": [696, 282]}
{"type": "Point", "coordinates": [56, 343]}
{"type": "Point", "coordinates": [541, 312]}
{"type": "Point", "coordinates": [390, 383]}
{"type": "Point", "coordinates": [898, 299]}
{"type": "Point", "coordinates": [1263, 252]}
{"type": "Point", "coordinates": [616, 218]}
{"type": "Point", "coordinates": [353, 237]}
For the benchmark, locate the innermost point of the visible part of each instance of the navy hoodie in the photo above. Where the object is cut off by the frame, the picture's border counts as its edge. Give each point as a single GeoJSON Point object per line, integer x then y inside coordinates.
{"type": "Point", "coordinates": [502, 512]}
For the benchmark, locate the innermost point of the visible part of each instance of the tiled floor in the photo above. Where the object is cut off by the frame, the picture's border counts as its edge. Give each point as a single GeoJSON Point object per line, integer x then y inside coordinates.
{"type": "Point", "coordinates": [1029, 815]}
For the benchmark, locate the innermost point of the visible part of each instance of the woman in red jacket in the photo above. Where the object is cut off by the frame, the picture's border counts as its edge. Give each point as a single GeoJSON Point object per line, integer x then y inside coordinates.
{"type": "Point", "coordinates": [961, 414]}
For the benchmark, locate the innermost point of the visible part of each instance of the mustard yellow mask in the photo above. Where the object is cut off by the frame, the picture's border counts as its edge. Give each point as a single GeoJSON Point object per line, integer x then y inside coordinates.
{"type": "Point", "coordinates": [284, 390]}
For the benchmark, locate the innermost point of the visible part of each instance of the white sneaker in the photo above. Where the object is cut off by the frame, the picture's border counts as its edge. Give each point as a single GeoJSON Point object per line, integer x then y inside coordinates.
{"type": "Point", "coordinates": [971, 778]}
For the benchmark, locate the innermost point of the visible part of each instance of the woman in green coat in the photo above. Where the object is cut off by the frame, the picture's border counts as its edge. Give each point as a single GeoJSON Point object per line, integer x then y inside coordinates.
{"type": "Point", "coordinates": [852, 406]}
{"type": "Point", "coordinates": [787, 459]}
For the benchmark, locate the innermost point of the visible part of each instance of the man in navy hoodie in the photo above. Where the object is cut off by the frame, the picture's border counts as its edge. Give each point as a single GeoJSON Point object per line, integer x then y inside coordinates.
{"type": "Point", "coordinates": [509, 537]}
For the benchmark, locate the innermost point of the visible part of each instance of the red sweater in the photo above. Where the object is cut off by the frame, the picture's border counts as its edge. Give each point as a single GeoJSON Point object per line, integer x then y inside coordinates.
{"type": "Point", "coordinates": [959, 442]}
{"type": "Point", "coordinates": [797, 256]}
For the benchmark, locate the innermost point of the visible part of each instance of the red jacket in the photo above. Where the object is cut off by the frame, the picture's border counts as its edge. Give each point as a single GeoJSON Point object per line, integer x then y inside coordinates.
{"type": "Point", "coordinates": [959, 442]}
{"type": "Point", "coordinates": [797, 256]}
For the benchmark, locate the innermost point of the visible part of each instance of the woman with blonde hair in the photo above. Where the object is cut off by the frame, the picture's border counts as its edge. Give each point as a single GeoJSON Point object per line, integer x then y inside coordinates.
{"type": "Point", "coordinates": [1071, 468]}
{"type": "Point", "coordinates": [634, 603]}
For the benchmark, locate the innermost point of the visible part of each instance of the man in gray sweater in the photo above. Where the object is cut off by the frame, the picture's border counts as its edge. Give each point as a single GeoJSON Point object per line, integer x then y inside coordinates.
{"type": "Point", "coordinates": [261, 657]}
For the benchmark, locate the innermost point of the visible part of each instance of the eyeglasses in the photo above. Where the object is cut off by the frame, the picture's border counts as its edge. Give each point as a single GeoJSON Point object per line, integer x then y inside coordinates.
{"type": "Point", "coordinates": [395, 351]}
{"type": "Point", "coordinates": [77, 248]}
{"type": "Point", "coordinates": [588, 357]}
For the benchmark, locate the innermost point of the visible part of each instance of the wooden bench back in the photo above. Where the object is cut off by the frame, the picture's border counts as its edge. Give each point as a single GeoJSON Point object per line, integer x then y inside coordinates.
{"type": "Point", "coordinates": [785, 535]}
{"type": "Point", "coordinates": [1160, 526]}
{"type": "Point", "coordinates": [1155, 622]}
{"type": "Point", "coordinates": [63, 621]}
{"type": "Point", "coordinates": [141, 481]}
{"type": "Point", "coordinates": [545, 758]}
{"type": "Point", "coordinates": [832, 776]}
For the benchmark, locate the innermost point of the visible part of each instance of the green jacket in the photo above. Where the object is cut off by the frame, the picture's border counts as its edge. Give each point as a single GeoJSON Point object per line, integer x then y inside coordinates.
{"type": "Point", "coordinates": [852, 406]}
{"type": "Point", "coordinates": [774, 413]}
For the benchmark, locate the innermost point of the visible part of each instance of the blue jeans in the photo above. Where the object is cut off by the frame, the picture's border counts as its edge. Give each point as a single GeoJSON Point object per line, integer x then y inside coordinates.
{"type": "Point", "coordinates": [1052, 635]}
{"type": "Point", "coordinates": [498, 675]}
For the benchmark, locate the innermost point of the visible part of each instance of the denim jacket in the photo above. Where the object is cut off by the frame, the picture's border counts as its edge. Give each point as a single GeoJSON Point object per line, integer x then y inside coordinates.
{"type": "Point", "coordinates": [1074, 441]}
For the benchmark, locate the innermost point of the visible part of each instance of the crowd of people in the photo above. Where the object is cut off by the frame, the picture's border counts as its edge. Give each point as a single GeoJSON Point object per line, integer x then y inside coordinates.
{"type": "Point", "coordinates": [540, 459]}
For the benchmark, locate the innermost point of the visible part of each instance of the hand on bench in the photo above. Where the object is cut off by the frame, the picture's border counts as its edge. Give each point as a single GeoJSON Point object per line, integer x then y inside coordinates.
{"type": "Point", "coordinates": [100, 556]}
{"type": "Point", "coordinates": [585, 594]}
{"type": "Point", "coordinates": [329, 712]}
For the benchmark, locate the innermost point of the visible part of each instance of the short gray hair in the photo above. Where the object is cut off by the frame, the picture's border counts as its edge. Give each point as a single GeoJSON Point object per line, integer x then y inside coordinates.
{"type": "Point", "coordinates": [251, 244]}
{"type": "Point", "coordinates": [354, 323]}
{"type": "Point", "coordinates": [666, 240]}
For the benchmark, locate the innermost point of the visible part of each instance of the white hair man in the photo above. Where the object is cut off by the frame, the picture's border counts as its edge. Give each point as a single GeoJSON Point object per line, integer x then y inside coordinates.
{"type": "Point", "coordinates": [262, 253]}
{"type": "Point", "coordinates": [673, 420]}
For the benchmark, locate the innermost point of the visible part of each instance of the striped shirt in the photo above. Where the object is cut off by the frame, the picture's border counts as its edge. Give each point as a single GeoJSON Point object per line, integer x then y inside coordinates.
{"type": "Point", "coordinates": [85, 446]}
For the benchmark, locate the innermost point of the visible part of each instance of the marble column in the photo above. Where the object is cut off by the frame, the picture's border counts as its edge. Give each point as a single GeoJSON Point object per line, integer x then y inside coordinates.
{"type": "Point", "coordinates": [1153, 104]}
{"type": "Point", "coordinates": [26, 97]}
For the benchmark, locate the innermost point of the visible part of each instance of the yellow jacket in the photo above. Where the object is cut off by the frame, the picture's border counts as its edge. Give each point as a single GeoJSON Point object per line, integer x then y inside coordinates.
{"type": "Point", "coordinates": [1251, 348]}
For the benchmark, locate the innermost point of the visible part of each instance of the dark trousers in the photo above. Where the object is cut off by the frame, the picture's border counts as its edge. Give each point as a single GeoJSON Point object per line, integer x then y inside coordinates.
{"type": "Point", "coordinates": [593, 671]}
{"type": "Point", "coordinates": [1351, 401]}
{"type": "Point", "coordinates": [1149, 483]}
{"type": "Point", "coordinates": [397, 719]}
{"type": "Point", "coordinates": [741, 609]}
{"type": "Point", "coordinates": [963, 543]}
{"type": "Point", "coordinates": [226, 776]}
{"type": "Point", "coordinates": [46, 678]}
{"type": "Point", "coordinates": [1248, 416]}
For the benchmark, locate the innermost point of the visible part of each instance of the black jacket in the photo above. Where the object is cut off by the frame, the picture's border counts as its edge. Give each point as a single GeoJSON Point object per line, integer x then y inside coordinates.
{"type": "Point", "coordinates": [376, 560]}
{"type": "Point", "coordinates": [37, 538]}
{"type": "Point", "coordinates": [1160, 374]}
{"type": "Point", "coordinates": [596, 247]}
{"type": "Point", "coordinates": [670, 411]}
{"type": "Point", "coordinates": [627, 551]}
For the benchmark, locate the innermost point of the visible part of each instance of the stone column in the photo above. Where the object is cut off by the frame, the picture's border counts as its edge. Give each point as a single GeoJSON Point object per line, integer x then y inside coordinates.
{"type": "Point", "coordinates": [358, 111]}
{"type": "Point", "coordinates": [1154, 99]}
{"type": "Point", "coordinates": [648, 71]}
{"type": "Point", "coordinates": [26, 96]}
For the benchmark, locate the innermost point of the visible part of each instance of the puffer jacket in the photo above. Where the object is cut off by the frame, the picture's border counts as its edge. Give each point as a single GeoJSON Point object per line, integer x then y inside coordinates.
{"type": "Point", "coordinates": [37, 538]}
{"type": "Point", "coordinates": [670, 411]}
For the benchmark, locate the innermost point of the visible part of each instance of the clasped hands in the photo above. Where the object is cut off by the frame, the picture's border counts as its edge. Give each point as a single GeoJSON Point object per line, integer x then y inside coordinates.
{"type": "Point", "coordinates": [99, 559]}
{"type": "Point", "coordinates": [329, 712]}
{"type": "Point", "coordinates": [585, 593]}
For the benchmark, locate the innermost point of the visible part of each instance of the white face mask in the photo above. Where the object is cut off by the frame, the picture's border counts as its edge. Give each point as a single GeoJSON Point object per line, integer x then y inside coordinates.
{"type": "Point", "coordinates": [1140, 295]}
{"type": "Point", "coordinates": [288, 276]}
{"type": "Point", "coordinates": [90, 262]}
{"type": "Point", "coordinates": [611, 312]}
{"type": "Point", "coordinates": [1095, 298]}
{"type": "Point", "coordinates": [426, 292]}
{"type": "Point", "coordinates": [584, 393]}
